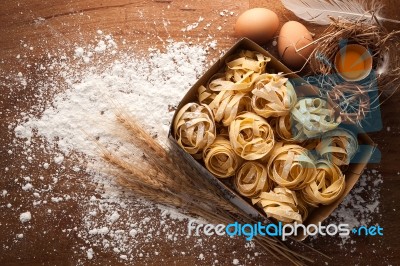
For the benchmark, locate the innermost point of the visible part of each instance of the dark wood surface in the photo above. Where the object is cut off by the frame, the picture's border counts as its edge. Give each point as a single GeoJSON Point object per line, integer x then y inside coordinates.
{"type": "Point", "coordinates": [69, 22]}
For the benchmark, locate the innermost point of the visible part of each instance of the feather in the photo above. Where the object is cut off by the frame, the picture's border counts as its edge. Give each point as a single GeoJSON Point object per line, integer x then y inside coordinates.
{"type": "Point", "coordinates": [384, 64]}
{"type": "Point", "coordinates": [321, 11]}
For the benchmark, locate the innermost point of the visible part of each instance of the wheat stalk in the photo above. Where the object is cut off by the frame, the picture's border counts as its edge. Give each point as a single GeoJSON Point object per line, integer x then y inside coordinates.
{"type": "Point", "coordinates": [165, 177]}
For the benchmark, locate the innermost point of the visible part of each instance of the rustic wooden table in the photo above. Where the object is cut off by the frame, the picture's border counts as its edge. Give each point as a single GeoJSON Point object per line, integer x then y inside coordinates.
{"type": "Point", "coordinates": [48, 25]}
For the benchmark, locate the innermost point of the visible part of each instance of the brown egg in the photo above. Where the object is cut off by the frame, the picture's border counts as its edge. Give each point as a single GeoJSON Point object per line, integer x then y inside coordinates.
{"type": "Point", "coordinates": [257, 24]}
{"type": "Point", "coordinates": [294, 35]}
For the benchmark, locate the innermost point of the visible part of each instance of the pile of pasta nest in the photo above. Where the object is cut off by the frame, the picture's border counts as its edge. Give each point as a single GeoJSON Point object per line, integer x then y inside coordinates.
{"type": "Point", "coordinates": [286, 154]}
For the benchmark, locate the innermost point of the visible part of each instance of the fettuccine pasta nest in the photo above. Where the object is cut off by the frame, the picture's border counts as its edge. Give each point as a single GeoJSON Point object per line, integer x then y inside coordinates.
{"type": "Point", "coordinates": [290, 167]}
{"type": "Point", "coordinates": [328, 185]}
{"type": "Point", "coordinates": [282, 127]}
{"type": "Point", "coordinates": [251, 136]}
{"type": "Point", "coordinates": [273, 96]}
{"type": "Point", "coordinates": [312, 117]}
{"type": "Point", "coordinates": [338, 146]}
{"type": "Point", "coordinates": [241, 71]}
{"type": "Point", "coordinates": [220, 159]}
{"type": "Point", "coordinates": [302, 206]}
{"type": "Point", "coordinates": [251, 179]}
{"type": "Point", "coordinates": [226, 104]}
{"type": "Point", "coordinates": [281, 204]}
{"type": "Point", "coordinates": [194, 128]}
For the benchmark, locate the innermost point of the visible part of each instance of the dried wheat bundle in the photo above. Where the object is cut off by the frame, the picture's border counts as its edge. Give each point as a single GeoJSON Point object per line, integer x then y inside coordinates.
{"type": "Point", "coordinates": [165, 177]}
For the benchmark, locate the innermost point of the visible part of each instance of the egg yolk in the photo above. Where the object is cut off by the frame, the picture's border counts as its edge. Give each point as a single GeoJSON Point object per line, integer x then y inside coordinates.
{"type": "Point", "coordinates": [351, 64]}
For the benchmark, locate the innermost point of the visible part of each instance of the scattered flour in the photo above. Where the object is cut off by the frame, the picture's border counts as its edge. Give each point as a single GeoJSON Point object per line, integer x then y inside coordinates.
{"type": "Point", "coordinates": [361, 206]}
{"type": "Point", "coordinates": [90, 253]}
{"type": "Point", "coordinates": [28, 186]}
{"type": "Point", "coordinates": [133, 232]}
{"type": "Point", "coordinates": [194, 25]}
{"type": "Point", "coordinates": [114, 217]}
{"type": "Point", "coordinates": [59, 159]}
{"type": "Point", "coordinates": [25, 217]}
{"type": "Point", "coordinates": [149, 87]}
